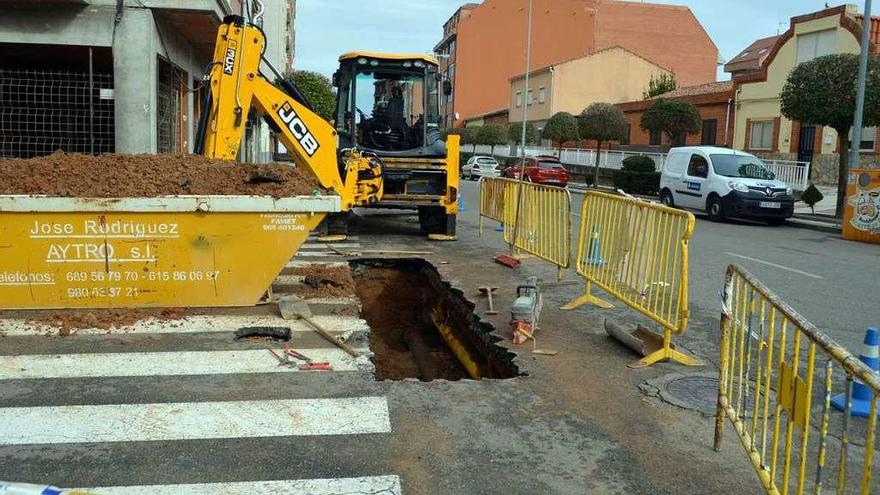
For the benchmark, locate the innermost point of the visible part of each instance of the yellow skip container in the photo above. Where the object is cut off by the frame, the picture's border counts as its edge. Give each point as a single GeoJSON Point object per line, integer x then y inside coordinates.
{"type": "Point", "coordinates": [149, 252]}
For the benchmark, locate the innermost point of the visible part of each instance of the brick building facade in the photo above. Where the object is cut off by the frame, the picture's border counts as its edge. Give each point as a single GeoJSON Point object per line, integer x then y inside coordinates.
{"type": "Point", "coordinates": [487, 43]}
{"type": "Point", "coordinates": [714, 101]}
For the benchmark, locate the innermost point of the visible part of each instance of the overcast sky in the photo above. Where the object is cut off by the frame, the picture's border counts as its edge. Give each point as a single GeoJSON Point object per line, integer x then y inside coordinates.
{"type": "Point", "coordinates": [327, 28]}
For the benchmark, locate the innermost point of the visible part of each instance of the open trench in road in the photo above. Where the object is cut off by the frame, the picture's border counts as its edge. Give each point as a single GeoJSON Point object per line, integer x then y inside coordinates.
{"type": "Point", "coordinates": [421, 327]}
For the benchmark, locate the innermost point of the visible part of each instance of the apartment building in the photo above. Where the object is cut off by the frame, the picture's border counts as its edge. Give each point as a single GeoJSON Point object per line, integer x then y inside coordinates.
{"type": "Point", "coordinates": [488, 43]}
{"type": "Point", "coordinates": [99, 76]}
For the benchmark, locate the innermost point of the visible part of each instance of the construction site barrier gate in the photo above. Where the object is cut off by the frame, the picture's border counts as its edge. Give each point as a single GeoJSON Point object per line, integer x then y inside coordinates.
{"type": "Point", "coordinates": [536, 218]}
{"type": "Point", "coordinates": [768, 371]}
{"type": "Point", "coordinates": [637, 252]}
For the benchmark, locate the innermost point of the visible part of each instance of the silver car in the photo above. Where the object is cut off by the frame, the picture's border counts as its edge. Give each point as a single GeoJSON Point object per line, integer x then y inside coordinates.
{"type": "Point", "coordinates": [481, 166]}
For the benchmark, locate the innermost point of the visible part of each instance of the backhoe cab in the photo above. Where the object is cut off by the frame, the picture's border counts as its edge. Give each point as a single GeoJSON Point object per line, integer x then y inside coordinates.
{"type": "Point", "coordinates": [387, 106]}
{"type": "Point", "coordinates": [384, 149]}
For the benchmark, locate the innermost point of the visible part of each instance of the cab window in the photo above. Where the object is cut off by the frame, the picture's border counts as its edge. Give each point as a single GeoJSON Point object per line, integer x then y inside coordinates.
{"type": "Point", "coordinates": [698, 167]}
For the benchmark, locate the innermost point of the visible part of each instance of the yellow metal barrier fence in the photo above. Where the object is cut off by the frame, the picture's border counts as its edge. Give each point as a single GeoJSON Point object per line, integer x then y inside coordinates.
{"type": "Point", "coordinates": [539, 223]}
{"type": "Point", "coordinates": [492, 198]}
{"type": "Point", "coordinates": [637, 252]}
{"type": "Point", "coordinates": [768, 368]}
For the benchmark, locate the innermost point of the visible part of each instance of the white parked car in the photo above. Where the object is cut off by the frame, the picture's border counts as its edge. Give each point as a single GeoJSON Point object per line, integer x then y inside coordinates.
{"type": "Point", "coordinates": [724, 183]}
{"type": "Point", "coordinates": [481, 166]}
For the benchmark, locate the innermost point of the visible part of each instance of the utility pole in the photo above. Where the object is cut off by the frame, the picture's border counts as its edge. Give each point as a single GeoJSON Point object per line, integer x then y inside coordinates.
{"type": "Point", "coordinates": [855, 142]}
{"type": "Point", "coordinates": [522, 144]}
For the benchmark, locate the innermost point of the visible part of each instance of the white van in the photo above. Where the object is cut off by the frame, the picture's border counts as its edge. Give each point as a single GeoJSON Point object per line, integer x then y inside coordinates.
{"type": "Point", "coordinates": [724, 182]}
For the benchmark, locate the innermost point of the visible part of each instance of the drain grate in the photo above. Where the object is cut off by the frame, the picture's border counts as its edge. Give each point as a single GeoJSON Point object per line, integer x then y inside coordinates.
{"type": "Point", "coordinates": [698, 392]}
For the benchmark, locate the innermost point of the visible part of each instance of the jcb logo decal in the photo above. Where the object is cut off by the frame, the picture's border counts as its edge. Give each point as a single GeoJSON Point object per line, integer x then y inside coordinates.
{"type": "Point", "coordinates": [298, 129]}
{"type": "Point", "coordinates": [229, 63]}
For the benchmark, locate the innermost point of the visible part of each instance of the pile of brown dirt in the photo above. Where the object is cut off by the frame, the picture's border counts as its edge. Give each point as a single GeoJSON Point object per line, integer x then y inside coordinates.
{"type": "Point", "coordinates": [324, 281]}
{"type": "Point", "coordinates": [68, 322]}
{"type": "Point", "coordinates": [111, 175]}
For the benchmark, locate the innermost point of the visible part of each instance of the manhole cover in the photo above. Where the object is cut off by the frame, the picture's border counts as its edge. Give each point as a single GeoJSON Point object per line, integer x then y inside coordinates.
{"type": "Point", "coordinates": [698, 392]}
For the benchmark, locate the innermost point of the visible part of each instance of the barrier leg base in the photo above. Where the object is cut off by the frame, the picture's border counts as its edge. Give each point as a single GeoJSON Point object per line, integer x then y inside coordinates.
{"type": "Point", "coordinates": [587, 299]}
{"type": "Point", "coordinates": [666, 354]}
{"type": "Point", "coordinates": [332, 238]}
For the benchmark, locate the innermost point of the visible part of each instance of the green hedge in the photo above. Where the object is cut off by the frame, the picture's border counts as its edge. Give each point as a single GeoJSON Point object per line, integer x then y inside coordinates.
{"type": "Point", "coordinates": [644, 183]}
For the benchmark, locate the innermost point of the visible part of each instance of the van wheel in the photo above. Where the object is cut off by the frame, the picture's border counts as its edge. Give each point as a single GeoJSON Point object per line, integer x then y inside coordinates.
{"type": "Point", "coordinates": [666, 198]}
{"type": "Point", "coordinates": [714, 209]}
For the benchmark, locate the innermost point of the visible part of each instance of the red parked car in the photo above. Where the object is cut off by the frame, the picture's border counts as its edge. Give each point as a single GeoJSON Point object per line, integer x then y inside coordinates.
{"type": "Point", "coordinates": [541, 170]}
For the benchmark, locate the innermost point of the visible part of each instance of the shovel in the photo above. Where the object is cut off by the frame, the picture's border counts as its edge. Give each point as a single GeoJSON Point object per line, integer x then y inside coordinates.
{"type": "Point", "coordinates": [295, 308]}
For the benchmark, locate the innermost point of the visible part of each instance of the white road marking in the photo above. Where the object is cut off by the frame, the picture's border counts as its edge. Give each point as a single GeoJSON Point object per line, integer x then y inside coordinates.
{"type": "Point", "coordinates": [288, 280]}
{"type": "Point", "coordinates": [193, 420]}
{"type": "Point", "coordinates": [326, 246]}
{"type": "Point", "coordinates": [302, 264]}
{"type": "Point", "coordinates": [317, 254]}
{"type": "Point", "coordinates": [774, 265]}
{"type": "Point", "coordinates": [202, 323]}
{"type": "Point", "coordinates": [93, 365]}
{"type": "Point", "coordinates": [378, 485]}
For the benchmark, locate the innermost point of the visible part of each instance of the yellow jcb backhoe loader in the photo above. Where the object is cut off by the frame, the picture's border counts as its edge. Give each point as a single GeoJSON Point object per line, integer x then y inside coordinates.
{"type": "Point", "coordinates": [384, 148]}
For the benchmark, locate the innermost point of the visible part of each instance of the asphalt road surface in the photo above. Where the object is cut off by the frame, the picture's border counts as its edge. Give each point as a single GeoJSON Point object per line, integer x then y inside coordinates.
{"type": "Point", "coordinates": [832, 282]}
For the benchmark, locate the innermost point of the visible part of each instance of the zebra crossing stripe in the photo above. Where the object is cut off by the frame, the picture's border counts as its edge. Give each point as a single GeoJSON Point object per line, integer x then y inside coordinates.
{"type": "Point", "coordinates": [95, 365]}
{"type": "Point", "coordinates": [303, 264]}
{"type": "Point", "coordinates": [202, 323]}
{"type": "Point", "coordinates": [378, 485]}
{"type": "Point", "coordinates": [193, 420]}
{"type": "Point", "coordinates": [326, 246]}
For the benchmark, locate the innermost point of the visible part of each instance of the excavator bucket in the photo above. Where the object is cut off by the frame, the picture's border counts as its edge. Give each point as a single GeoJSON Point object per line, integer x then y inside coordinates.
{"type": "Point", "coordinates": [62, 252]}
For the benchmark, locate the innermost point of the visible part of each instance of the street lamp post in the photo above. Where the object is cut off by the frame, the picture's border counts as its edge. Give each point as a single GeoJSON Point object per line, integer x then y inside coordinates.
{"type": "Point", "coordinates": [522, 143]}
{"type": "Point", "coordinates": [855, 142]}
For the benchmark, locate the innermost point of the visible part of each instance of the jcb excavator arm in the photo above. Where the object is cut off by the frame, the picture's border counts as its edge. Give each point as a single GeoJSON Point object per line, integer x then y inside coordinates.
{"type": "Point", "coordinates": [236, 85]}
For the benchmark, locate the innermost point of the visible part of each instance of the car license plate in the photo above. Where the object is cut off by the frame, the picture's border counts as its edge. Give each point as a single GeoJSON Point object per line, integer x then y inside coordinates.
{"type": "Point", "coordinates": [769, 204]}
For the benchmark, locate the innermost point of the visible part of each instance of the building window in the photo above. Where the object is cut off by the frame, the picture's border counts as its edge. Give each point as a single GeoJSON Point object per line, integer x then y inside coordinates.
{"type": "Point", "coordinates": [529, 98]}
{"type": "Point", "coordinates": [519, 98]}
{"type": "Point", "coordinates": [680, 139]}
{"type": "Point", "coordinates": [654, 138]}
{"type": "Point", "coordinates": [761, 137]}
{"type": "Point", "coordinates": [626, 135]}
{"type": "Point", "coordinates": [710, 132]}
{"type": "Point", "coordinates": [451, 49]}
{"type": "Point", "coordinates": [542, 95]}
{"type": "Point", "coordinates": [812, 45]}
{"type": "Point", "coordinates": [869, 135]}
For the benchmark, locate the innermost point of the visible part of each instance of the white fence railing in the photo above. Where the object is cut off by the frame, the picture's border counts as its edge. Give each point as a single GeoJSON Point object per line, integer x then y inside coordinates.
{"type": "Point", "coordinates": [795, 174]}
{"type": "Point", "coordinates": [608, 159]}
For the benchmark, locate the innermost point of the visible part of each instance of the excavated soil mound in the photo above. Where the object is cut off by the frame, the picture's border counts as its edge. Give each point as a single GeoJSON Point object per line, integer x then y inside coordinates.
{"type": "Point", "coordinates": [68, 322]}
{"type": "Point", "coordinates": [324, 281]}
{"type": "Point", "coordinates": [111, 175]}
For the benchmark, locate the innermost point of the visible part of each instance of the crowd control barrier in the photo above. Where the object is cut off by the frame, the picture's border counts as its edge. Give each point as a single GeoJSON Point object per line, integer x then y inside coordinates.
{"type": "Point", "coordinates": [637, 252]}
{"type": "Point", "coordinates": [770, 364]}
{"type": "Point", "coordinates": [539, 223]}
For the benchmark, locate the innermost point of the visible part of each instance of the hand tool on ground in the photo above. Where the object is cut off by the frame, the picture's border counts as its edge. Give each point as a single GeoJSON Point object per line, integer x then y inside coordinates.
{"type": "Point", "coordinates": [488, 292]}
{"type": "Point", "coordinates": [295, 308]}
{"type": "Point", "coordinates": [307, 365]}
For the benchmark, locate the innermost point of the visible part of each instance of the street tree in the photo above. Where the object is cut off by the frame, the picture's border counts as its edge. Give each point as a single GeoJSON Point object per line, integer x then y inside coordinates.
{"type": "Point", "coordinates": [492, 135]}
{"type": "Point", "coordinates": [601, 122]}
{"type": "Point", "coordinates": [663, 83]}
{"type": "Point", "coordinates": [514, 133]}
{"type": "Point", "coordinates": [822, 91]}
{"type": "Point", "coordinates": [468, 136]}
{"type": "Point", "coordinates": [560, 128]}
{"type": "Point", "coordinates": [675, 118]}
{"type": "Point", "coordinates": [317, 89]}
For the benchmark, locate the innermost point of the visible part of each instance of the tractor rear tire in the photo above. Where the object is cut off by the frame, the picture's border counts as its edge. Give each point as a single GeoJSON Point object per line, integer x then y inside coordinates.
{"type": "Point", "coordinates": [434, 220]}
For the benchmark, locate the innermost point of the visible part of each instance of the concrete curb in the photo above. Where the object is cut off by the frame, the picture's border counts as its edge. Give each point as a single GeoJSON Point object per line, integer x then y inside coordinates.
{"type": "Point", "coordinates": [831, 228]}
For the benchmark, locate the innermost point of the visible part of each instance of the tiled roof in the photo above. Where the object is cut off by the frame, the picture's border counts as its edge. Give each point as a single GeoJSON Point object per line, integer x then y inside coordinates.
{"type": "Point", "coordinates": [700, 89]}
{"type": "Point", "coordinates": [751, 58]}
